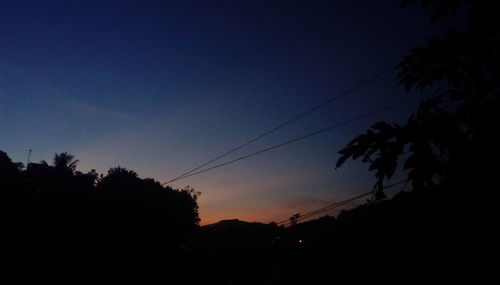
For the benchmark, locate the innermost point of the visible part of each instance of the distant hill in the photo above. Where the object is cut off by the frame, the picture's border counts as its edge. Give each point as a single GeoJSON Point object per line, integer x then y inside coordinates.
{"type": "Point", "coordinates": [234, 224]}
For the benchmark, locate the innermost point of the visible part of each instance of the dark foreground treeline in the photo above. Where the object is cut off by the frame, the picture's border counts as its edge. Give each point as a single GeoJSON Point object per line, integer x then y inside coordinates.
{"type": "Point", "coordinates": [61, 223]}
{"type": "Point", "coordinates": [400, 241]}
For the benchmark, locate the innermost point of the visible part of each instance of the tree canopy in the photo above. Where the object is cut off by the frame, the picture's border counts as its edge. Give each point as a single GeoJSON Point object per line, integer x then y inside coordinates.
{"type": "Point", "coordinates": [54, 216]}
{"type": "Point", "coordinates": [454, 126]}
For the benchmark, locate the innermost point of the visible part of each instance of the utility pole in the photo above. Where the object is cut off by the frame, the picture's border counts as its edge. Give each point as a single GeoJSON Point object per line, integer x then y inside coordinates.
{"type": "Point", "coordinates": [29, 157]}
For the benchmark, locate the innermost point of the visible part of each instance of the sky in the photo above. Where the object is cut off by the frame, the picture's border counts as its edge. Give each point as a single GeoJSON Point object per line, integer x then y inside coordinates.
{"type": "Point", "coordinates": [161, 87]}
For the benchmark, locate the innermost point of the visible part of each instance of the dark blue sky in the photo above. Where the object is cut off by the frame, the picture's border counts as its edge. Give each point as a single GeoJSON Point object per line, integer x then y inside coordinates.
{"type": "Point", "coordinates": [162, 86]}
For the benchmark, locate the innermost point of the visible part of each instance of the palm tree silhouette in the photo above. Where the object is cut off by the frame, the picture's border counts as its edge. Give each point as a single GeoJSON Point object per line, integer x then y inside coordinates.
{"type": "Point", "coordinates": [65, 160]}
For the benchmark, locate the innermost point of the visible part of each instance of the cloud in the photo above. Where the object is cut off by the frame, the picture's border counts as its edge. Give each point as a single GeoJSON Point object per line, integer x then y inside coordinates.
{"type": "Point", "coordinates": [92, 109]}
{"type": "Point", "coordinates": [305, 202]}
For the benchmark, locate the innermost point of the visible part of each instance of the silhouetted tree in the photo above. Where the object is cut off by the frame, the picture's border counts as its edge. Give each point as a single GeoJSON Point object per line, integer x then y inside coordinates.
{"type": "Point", "coordinates": [462, 69]}
{"type": "Point", "coordinates": [9, 172]}
{"type": "Point", "coordinates": [145, 217]}
{"type": "Point", "coordinates": [56, 219]}
{"type": "Point", "coordinates": [451, 141]}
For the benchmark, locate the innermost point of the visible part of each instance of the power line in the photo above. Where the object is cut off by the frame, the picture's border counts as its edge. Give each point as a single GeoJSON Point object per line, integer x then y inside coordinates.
{"type": "Point", "coordinates": [342, 203]}
{"type": "Point", "coordinates": [327, 208]}
{"type": "Point", "coordinates": [338, 204]}
{"type": "Point", "coordinates": [301, 137]}
{"type": "Point", "coordinates": [365, 115]}
{"type": "Point", "coordinates": [345, 92]}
